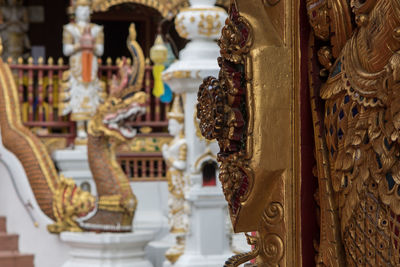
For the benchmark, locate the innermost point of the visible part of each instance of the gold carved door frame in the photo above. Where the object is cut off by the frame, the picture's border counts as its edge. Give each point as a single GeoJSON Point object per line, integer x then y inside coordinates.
{"type": "Point", "coordinates": [258, 128]}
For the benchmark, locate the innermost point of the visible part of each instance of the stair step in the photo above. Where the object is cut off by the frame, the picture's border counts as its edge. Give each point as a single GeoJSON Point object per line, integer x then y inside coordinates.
{"type": "Point", "coordinates": [3, 227]}
{"type": "Point", "coordinates": [15, 259]}
{"type": "Point", "coordinates": [8, 242]}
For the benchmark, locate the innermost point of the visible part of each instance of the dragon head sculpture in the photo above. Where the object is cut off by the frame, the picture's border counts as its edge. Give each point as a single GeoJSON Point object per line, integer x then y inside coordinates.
{"type": "Point", "coordinates": [113, 117]}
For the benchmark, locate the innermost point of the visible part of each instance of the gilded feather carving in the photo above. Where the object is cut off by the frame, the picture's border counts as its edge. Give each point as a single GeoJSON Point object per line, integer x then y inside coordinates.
{"type": "Point", "coordinates": [360, 129]}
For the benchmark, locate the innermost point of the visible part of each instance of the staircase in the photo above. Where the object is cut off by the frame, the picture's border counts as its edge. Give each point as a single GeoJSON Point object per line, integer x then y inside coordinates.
{"type": "Point", "coordinates": [9, 254]}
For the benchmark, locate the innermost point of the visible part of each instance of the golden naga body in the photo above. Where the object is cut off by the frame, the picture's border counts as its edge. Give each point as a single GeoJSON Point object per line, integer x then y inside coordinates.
{"type": "Point", "coordinates": [59, 198]}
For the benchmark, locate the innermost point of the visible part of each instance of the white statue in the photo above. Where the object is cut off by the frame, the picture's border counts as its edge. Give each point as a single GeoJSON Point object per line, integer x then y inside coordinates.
{"type": "Point", "coordinates": [14, 26]}
{"type": "Point", "coordinates": [175, 156]}
{"type": "Point", "coordinates": [82, 92]}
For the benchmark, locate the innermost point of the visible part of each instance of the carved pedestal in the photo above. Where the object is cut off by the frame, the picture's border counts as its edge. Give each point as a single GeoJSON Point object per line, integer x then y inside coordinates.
{"type": "Point", "coordinates": [207, 243]}
{"type": "Point", "coordinates": [107, 250]}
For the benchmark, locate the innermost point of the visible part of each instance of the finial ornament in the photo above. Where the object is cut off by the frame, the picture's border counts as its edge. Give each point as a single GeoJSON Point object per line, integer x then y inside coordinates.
{"type": "Point", "coordinates": [176, 110]}
{"type": "Point", "coordinates": [159, 52]}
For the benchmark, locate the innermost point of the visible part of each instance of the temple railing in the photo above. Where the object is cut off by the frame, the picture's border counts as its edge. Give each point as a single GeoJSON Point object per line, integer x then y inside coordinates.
{"type": "Point", "coordinates": [38, 88]}
{"type": "Point", "coordinates": [142, 159]}
{"type": "Point", "coordinates": [143, 167]}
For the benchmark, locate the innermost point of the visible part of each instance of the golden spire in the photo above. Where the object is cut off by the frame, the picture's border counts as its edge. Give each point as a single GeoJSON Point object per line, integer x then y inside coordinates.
{"type": "Point", "coordinates": [176, 111]}
{"type": "Point", "coordinates": [159, 52]}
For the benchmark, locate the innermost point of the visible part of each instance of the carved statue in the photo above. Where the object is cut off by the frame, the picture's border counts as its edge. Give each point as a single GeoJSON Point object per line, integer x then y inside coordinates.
{"type": "Point", "coordinates": [82, 92]}
{"type": "Point", "coordinates": [175, 156]}
{"type": "Point", "coordinates": [358, 167]}
{"type": "Point", "coordinates": [59, 198]}
{"type": "Point", "coordinates": [14, 26]}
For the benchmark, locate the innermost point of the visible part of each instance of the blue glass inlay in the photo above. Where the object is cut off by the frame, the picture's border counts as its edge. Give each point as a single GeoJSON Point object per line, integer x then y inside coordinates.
{"type": "Point", "coordinates": [378, 159]}
{"type": "Point", "coordinates": [331, 130]}
{"type": "Point", "coordinates": [390, 180]}
{"type": "Point", "coordinates": [341, 114]}
{"type": "Point", "coordinates": [345, 182]}
{"type": "Point", "coordinates": [340, 133]}
{"type": "Point", "coordinates": [334, 108]}
{"type": "Point", "coordinates": [332, 150]}
{"type": "Point", "coordinates": [346, 99]}
{"type": "Point", "coordinates": [354, 111]}
{"type": "Point", "coordinates": [338, 69]}
{"type": "Point", "coordinates": [375, 99]}
{"type": "Point", "coordinates": [366, 140]}
{"type": "Point", "coordinates": [387, 145]}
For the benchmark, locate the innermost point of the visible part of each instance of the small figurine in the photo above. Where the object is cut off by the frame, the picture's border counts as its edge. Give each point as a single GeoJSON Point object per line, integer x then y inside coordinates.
{"type": "Point", "coordinates": [175, 156]}
{"type": "Point", "coordinates": [82, 90]}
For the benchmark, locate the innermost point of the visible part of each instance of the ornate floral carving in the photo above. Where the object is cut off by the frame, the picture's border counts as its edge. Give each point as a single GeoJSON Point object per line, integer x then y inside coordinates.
{"type": "Point", "coordinates": [222, 108]}
{"type": "Point", "coordinates": [357, 144]}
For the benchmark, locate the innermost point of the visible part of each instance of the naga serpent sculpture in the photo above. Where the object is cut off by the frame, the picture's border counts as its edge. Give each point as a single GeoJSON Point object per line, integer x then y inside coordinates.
{"type": "Point", "coordinates": [59, 198]}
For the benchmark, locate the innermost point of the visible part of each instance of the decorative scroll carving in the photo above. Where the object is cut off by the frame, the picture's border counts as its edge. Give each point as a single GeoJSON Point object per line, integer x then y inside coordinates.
{"type": "Point", "coordinates": [273, 214]}
{"type": "Point", "coordinates": [357, 134]}
{"type": "Point", "coordinates": [273, 249]}
{"type": "Point", "coordinates": [222, 109]}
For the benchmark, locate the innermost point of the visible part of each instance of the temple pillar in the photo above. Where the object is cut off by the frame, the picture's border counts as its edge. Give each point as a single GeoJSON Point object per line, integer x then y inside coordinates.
{"type": "Point", "coordinates": [206, 239]}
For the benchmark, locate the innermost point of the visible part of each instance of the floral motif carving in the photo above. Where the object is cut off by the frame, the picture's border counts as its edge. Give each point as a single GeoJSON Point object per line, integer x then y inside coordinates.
{"type": "Point", "coordinates": [222, 109]}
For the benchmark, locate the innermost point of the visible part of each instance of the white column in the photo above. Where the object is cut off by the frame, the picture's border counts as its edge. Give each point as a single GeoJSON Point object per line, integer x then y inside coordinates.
{"type": "Point", "coordinates": [207, 241]}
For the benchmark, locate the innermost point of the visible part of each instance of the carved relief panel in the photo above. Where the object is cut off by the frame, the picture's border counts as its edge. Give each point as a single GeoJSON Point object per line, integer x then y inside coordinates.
{"type": "Point", "coordinates": [249, 110]}
{"type": "Point", "coordinates": [353, 72]}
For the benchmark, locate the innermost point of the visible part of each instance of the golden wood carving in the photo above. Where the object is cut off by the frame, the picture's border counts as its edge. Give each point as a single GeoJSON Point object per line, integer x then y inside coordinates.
{"type": "Point", "coordinates": [226, 121]}
{"type": "Point", "coordinates": [357, 133]}
{"type": "Point", "coordinates": [248, 109]}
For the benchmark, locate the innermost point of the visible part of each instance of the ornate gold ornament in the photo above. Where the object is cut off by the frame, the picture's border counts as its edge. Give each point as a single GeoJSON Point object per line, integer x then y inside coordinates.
{"type": "Point", "coordinates": [356, 136]}
{"type": "Point", "coordinates": [209, 25]}
{"type": "Point", "coordinates": [222, 110]}
{"type": "Point", "coordinates": [181, 28]}
{"type": "Point", "coordinates": [250, 110]}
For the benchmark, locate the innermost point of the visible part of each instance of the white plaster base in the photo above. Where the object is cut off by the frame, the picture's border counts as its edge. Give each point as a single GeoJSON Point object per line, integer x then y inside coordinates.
{"type": "Point", "coordinates": [107, 249]}
{"type": "Point", "coordinates": [73, 163]}
{"type": "Point", "coordinates": [202, 260]}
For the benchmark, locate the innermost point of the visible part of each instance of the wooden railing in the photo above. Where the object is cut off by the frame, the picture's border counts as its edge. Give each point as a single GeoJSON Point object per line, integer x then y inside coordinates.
{"type": "Point", "coordinates": [38, 88]}
{"type": "Point", "coordinates": [143, 167]}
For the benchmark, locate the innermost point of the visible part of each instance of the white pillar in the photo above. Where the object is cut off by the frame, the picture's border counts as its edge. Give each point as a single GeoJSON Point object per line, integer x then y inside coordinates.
{"type": "Point", "coordinates": [207, 241]}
